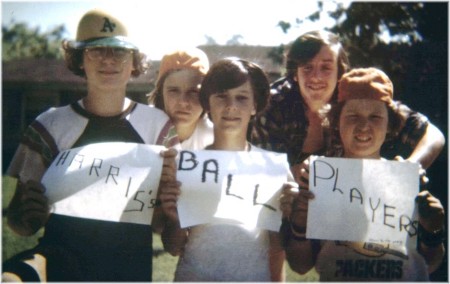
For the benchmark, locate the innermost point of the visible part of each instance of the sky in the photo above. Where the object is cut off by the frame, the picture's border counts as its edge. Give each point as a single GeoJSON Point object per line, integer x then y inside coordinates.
{"type": "Point", "coordinates": [160, 26]}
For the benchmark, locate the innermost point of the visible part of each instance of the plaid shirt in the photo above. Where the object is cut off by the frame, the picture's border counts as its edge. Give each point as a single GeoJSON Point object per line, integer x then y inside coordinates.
{"type": "Point", "coordinates": [283, 126]}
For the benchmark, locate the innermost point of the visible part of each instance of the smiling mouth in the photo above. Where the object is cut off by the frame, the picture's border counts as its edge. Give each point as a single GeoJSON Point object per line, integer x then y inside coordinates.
{"type": "Point", "coordinates": [316, 87]}
{"type": "Point", "coordinates": [363, 138]}
{"type": "Point", "coordinates": [107, 72]}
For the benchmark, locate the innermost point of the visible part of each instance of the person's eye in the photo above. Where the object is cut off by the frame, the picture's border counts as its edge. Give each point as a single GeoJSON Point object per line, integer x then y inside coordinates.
{"type": "Point", "coordinates": [120, 51]}
{"type": "Point", "coordinates": [220, 95]}
{"type": "Point", "coordinates": [307, 68]}
{"type": "Point", "coordinates": [352, 117]}
{"type": "Point", "coordinates": [376, 117]}
{"type": "Point", "coordinates": [193, 93]}
{"type": "Point", "coordinates": [97, 51]}
{"type": "Point", "coordinates": [172, 90]}
{"type": "Point", "coordinates": [242, 98]}
{"type": "Point", "coordinates": [327, 68]}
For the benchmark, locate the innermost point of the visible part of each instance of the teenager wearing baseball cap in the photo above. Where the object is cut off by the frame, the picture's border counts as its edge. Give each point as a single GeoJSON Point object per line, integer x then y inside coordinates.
{"type": "Point", "coordinates": [77, 249]}
{"type": "Point", "coordinates": [363, 118]}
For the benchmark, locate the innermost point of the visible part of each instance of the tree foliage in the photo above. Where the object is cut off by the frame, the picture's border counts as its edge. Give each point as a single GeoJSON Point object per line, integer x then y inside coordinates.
{"type": "Point", "coordinates": [21, 41]}
{"type": "Point", "coordinates": [408, 40]}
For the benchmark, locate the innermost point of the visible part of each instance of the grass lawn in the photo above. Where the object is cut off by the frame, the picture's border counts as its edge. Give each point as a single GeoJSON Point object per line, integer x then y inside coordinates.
{"type": "Point", "coordinates": [163, 263]}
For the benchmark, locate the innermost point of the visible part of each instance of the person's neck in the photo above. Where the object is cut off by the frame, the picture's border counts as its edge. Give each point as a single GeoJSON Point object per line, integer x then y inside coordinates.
{"type": "Point", "coordinates": [373, 157]}
{"type": "Point", "coordinates": [230, 143]}
{"type": "Point", "coordinates": [314, 140]}
{"type": "Point", "coordinates": [185, 131]}
{"type": "Point", "coordinates": [105, 103]}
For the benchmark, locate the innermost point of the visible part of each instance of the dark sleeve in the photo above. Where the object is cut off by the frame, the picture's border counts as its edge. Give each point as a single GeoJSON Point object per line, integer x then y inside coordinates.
{"type": "Point", "coordinates": [409, 136]}
{"type": "Point", "coordinates": [415, 127]}
{"type": "Point", "coordinates": [267, 132]}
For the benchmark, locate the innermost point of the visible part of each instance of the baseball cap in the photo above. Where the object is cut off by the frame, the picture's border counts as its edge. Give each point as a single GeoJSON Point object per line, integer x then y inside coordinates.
{"type": "Point", "coordinates": [99, 29]}
{"type": "Point", "coordinates": [191, 58]}
{"type": "Point", "coordinates": [365, 83]}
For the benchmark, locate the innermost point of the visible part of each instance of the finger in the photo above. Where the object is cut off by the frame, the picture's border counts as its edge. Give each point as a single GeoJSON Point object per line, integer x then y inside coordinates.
{"type": "Point", "coordinates": [304, 178]}
{"type": "Point", "coordinates": [286, 210]}
{"type": "Point", "coordinates": [169, 193]}
{"type": "Point", "coordinates": [33, 196]}
{"type": "Point", "coordinates": [399, 158]}
{"type": "Point", "coordinates": [169, 153]}
{"type": "Point", "coordinates": [305, 194]}
{"type": "Point", "coordinates": [290, 189]}
{"type": "Point", "coordinates": [35, 186]}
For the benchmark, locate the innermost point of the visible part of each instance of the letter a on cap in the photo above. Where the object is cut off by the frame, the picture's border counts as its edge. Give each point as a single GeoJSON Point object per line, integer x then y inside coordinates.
{"type": "Point", "coordinates": [108, 26]}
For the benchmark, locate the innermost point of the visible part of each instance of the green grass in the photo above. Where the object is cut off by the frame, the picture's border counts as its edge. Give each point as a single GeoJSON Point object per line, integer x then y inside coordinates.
{"type": "Point", "coordinates": [163, 263]}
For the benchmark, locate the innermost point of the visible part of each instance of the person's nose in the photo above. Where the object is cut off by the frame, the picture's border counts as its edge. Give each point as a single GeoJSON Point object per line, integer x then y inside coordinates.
{"type": "Point", "coordinates": [231, 104]}
{"type": "Point", "coordinates": [363, 124]}
{"type": "Point", "coordinates": [184, 99]}
{"type": "Point", "coordinates": [108, 55]}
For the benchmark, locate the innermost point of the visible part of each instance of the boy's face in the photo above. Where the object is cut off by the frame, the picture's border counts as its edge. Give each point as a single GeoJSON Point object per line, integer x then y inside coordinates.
{"type": "Point", "coordinates": [363, 126]}
{"type": "Point", "coordinates": [317, 79]}
{"type": "Point", "coordinates": [232, 109]}
{"type": "Point", "coordinates": [107, 71]}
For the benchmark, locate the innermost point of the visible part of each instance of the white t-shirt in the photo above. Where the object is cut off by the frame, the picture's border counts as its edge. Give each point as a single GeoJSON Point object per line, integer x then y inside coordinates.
{"type": "Point", "coordinates": [201, 137]}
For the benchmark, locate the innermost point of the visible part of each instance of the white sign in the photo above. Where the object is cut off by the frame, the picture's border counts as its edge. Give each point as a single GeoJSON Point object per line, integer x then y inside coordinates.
{"type": "Point", "coordinates": [113, 181]}
{"type": "Point", "coordinates": [363, 200]}
{"type": "Point", "coordinates": [231, 187]}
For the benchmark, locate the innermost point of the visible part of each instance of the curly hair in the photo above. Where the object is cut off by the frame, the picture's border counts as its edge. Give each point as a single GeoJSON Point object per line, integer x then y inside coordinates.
{"type": "Point", "coordinates": [73, 58]}
{"type": "Point", "coordinates": [230, 73]}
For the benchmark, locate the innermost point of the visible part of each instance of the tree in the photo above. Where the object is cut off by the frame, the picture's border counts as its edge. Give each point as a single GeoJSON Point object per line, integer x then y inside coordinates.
{"type": "Point", "coordinates": [234, 40]}
{"type": "Point", "coordinates": [20, 41]}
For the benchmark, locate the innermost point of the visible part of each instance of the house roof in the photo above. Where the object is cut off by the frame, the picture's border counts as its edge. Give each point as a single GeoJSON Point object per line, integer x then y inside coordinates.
{"type": "Point", "coordinates": [256, 54]}
{"type": "Point", "coordinates": [54, 72]}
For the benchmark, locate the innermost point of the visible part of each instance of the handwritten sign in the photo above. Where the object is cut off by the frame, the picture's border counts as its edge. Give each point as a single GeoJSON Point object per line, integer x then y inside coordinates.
{"type": "Point", "coordinates": [363, 200]}
{"type": "Point", "coordinates": [231, 187]}
{"type": "Point", "coordinates": [106, 181]}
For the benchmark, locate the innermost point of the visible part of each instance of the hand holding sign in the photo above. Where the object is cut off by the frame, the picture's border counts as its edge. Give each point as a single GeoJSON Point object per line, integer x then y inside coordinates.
{"type": "Point", "coordinates": [113, 181]}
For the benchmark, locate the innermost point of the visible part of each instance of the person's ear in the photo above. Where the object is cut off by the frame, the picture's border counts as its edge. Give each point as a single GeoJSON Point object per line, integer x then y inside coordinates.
{"type": "Point", "coordinates": [254, 109]}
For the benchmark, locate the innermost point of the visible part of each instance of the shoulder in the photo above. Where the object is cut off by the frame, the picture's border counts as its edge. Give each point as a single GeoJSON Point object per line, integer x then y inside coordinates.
{"type": "Point", "coordinates": [284, 93]}
{"type": "Point", "coordinates": [203, 135]}
{"type": "Point", "coordinates": [205, 124]}
{"type": "Point", "coordinates": [56, 114]}
{"type": "Point", "coordinates": [149, 111]}
{"type": "Point", "coordinates": [254, 148]}
{"type": "Point", "coordinates": [153, 125]}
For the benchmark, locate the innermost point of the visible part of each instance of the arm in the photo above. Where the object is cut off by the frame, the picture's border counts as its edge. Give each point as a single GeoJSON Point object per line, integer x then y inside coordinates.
{"type": "Point", "coordinates": [29, 209]}
{"type": "Point", "coordinates": [431, 220]}
{"type": "Point", "coordinates": [276, 258]}
{"type": "Point", "coordinates": [429, 146]}
{"type": "Point", "coordinates": [300, 252]}
{"type": "Point", "coordinates": [173, 236]}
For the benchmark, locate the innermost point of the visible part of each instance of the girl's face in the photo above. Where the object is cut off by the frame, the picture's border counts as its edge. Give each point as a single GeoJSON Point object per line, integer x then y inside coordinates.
{"type": "Point", "coordinates": [181, 100]}
{"type": "Point", "coordinates": [317, 79]}
{"type": "Point", "coordinates": [232, 109]}
{"type": "Point", "coordinates": [363, 125]}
